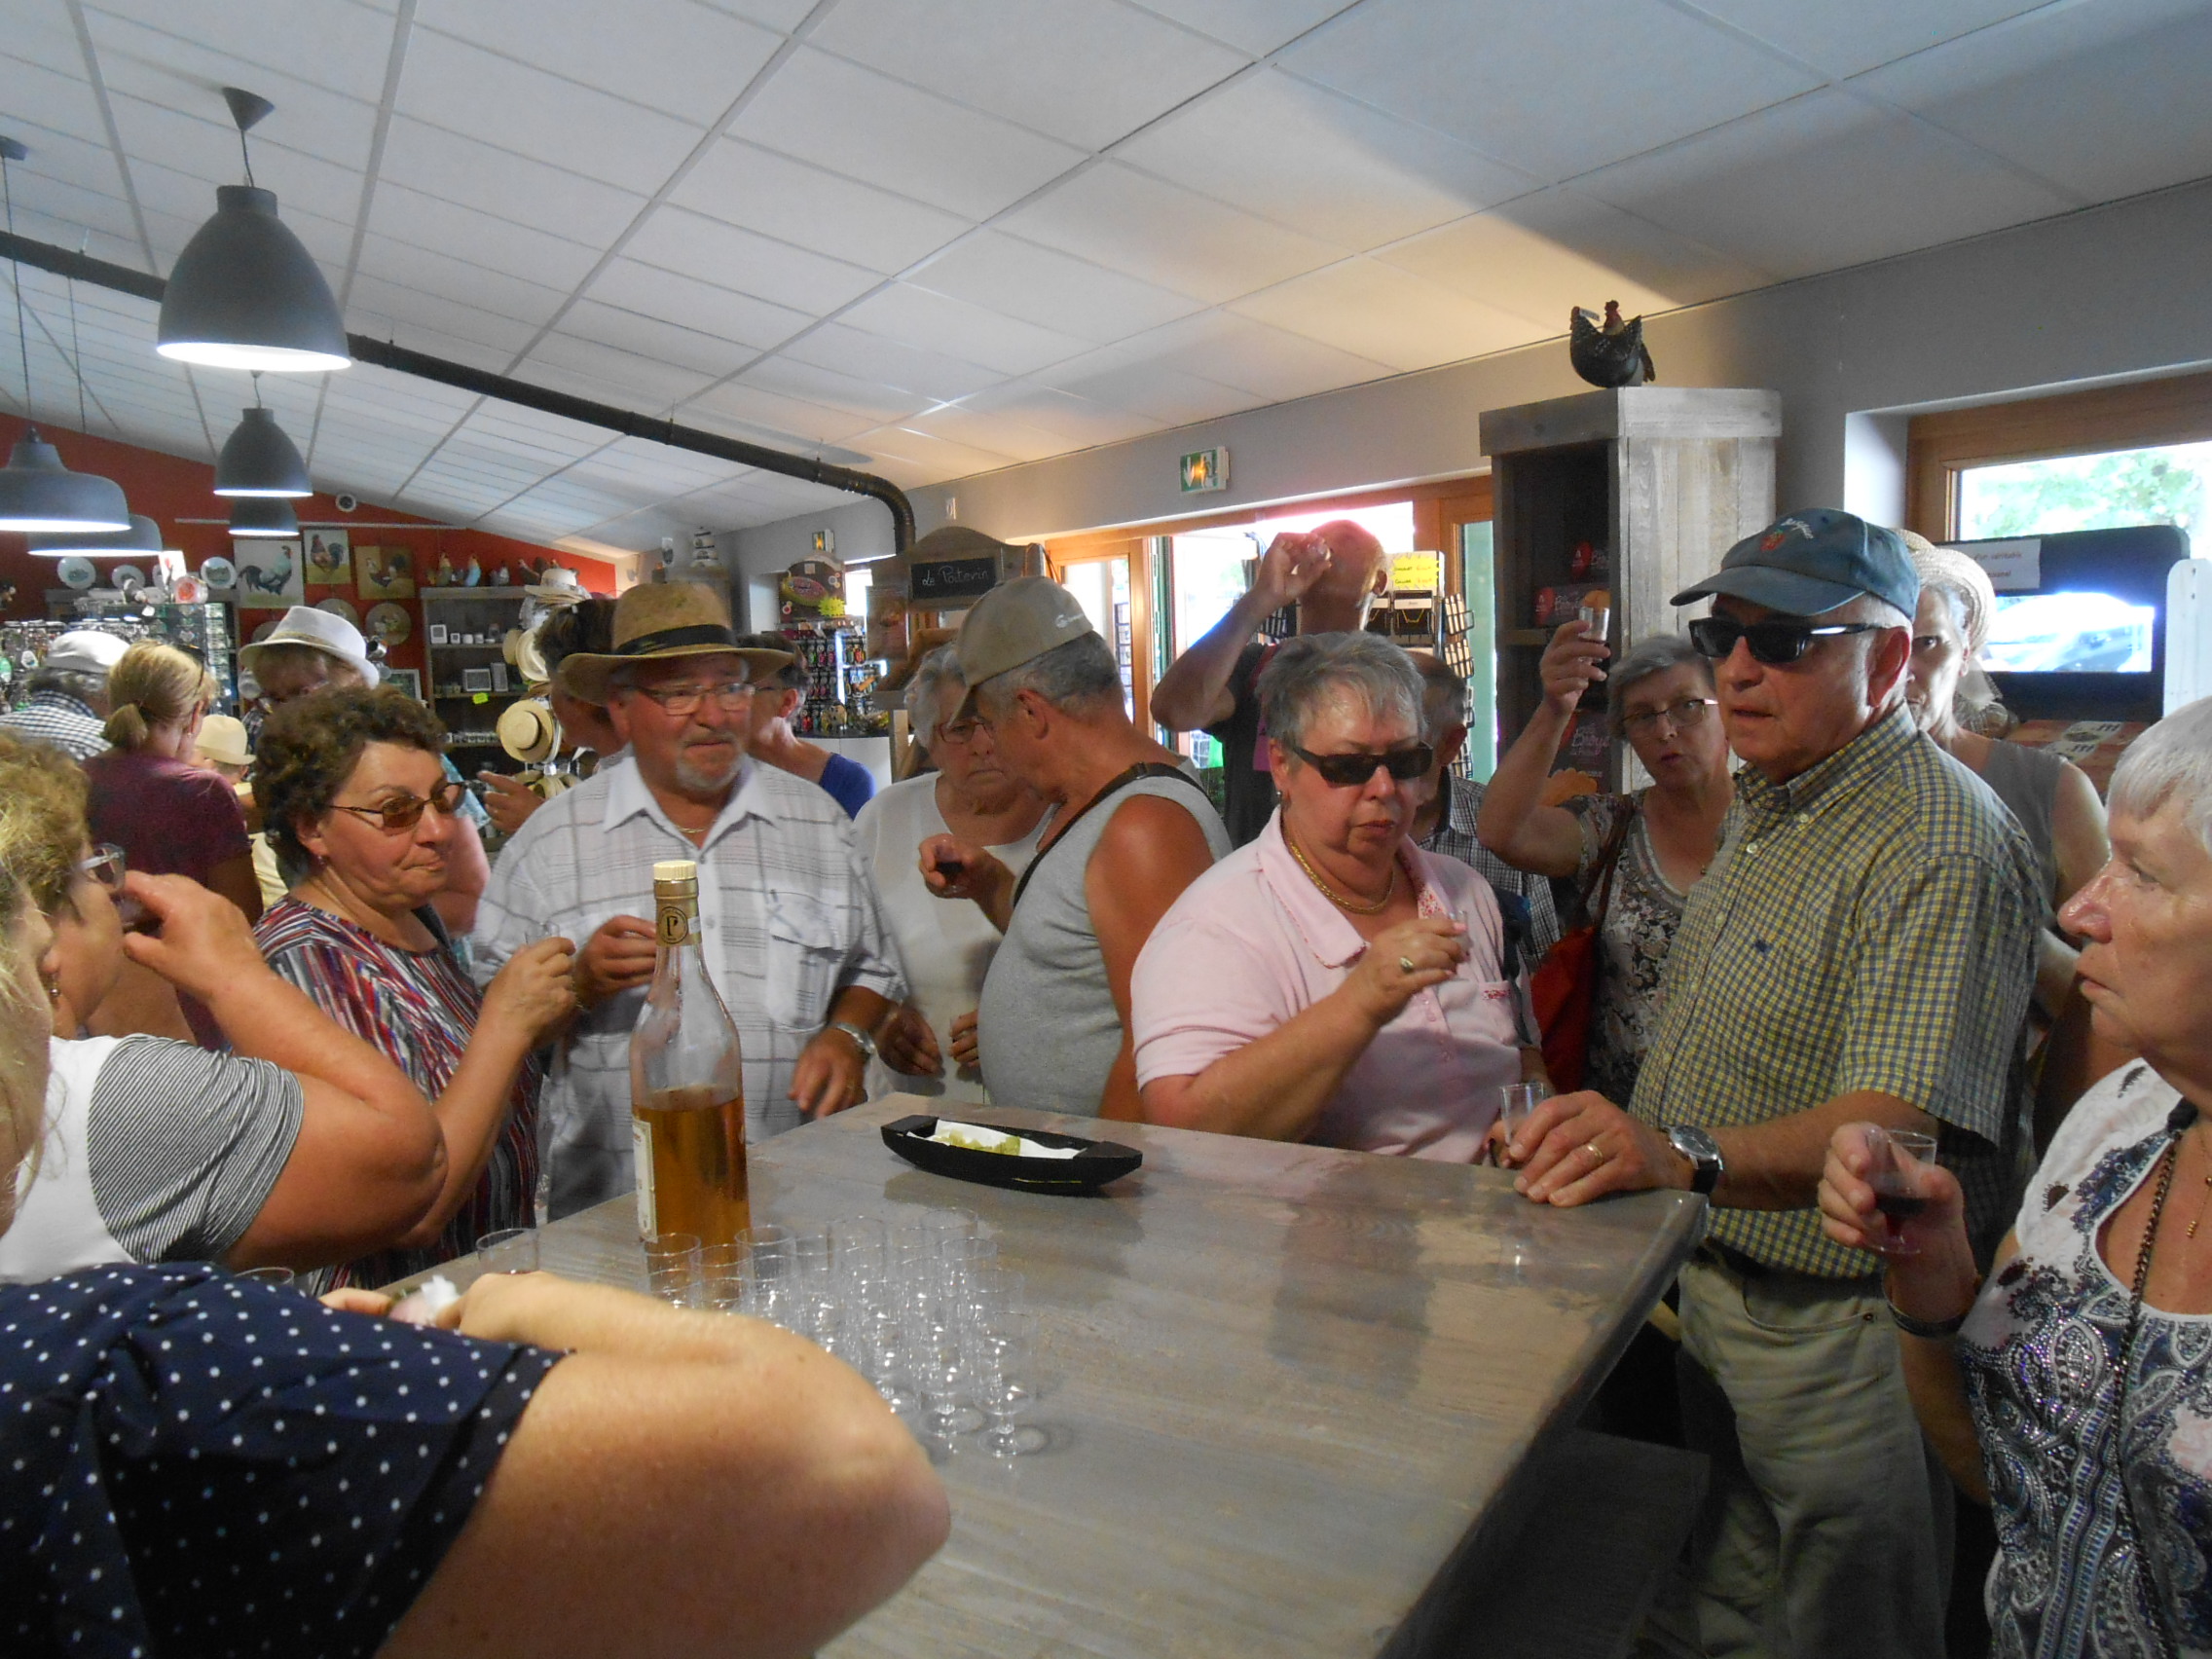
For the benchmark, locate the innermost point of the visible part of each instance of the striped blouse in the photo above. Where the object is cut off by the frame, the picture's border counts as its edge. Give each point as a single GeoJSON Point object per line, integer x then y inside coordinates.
{"type": "Point", "coordinates": [421, 1009]}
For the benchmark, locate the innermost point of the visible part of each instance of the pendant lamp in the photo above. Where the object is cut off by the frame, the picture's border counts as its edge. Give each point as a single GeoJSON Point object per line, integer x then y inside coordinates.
{"type": "Point", "coordinates": [143, 536]}
{"type": "Point", "coordinates": [259, 460]}
{"type": "Point", "coordinates": [37, 493]}
{"type": "Point", "coordinates": [264, 517]}
{"type": "Point", "coordinates": [245, 294]}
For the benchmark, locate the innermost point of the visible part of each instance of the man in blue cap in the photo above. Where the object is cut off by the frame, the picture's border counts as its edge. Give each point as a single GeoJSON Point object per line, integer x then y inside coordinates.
{"type": "Point", "coordinates": [1861, 951]}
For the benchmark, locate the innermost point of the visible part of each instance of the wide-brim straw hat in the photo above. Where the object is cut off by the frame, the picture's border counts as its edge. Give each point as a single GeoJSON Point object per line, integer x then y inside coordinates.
{"type": "Point", "coordinates": [318, 630]}
{"type": "Point", "coordinates": [1948, 568]}
{"type": "Point", "coordinates": [655, 621]}
{"type": "Point", "coordinates": [222, 740]}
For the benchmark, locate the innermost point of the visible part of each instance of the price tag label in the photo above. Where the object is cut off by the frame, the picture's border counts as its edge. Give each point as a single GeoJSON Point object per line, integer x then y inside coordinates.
{"type": "Point", "coordinates": [481, 698]}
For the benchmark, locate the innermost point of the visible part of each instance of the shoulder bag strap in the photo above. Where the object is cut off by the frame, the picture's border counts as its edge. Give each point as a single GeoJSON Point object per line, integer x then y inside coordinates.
{"type": "Point", "coordinates": [1600, 880]}
{"type": "Point", "coordinates": [1120, 782]}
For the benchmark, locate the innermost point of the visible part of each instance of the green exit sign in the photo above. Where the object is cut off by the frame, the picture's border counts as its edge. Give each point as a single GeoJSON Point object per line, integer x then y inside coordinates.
{"type": "Point", "coordinates": [1206, 469]}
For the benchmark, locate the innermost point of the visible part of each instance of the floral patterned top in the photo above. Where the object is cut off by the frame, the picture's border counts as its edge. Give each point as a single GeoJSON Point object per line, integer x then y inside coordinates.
{"type": "Point", "coordinates": [1639, 929]}
{"type": "Point", "coordinates": [2038, 1355]}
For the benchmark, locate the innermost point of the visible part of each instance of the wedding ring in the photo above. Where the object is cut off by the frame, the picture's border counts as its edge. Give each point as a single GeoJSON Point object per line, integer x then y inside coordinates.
{"type": "Point", "coordinates": [1406, 963]}
{"type": "Point", "coordinates": [1592, 1149]}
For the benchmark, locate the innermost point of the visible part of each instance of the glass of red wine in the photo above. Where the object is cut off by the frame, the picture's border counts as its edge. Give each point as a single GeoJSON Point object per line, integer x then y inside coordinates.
{"type": "Point", "coordinates": [1900, 1160]}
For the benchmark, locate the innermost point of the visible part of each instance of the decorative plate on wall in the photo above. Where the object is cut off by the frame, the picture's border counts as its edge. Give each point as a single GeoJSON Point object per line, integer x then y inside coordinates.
{"type": "Point", "coordinates": [340, 608]}
{"type": "Point", "coordinates": [390, 622]}
{"type": "Point", "coordinates": [219, 572]}
{"type": "Point", "coordinates": [129, 579]}
{"type": "Point", "coordinates": [77, 571]}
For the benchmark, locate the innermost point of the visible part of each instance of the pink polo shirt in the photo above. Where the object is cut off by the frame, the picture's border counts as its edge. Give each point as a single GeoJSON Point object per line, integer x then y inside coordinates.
{"type": "Point", "coordinates": [1252, 941]}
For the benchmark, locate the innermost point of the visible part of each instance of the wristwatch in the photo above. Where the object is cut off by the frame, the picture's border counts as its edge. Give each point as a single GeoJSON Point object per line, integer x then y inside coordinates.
{"type": "Point", "coordinates": [858, 1034]}
{"type": "Point", "coordinates": [1704, 1154]}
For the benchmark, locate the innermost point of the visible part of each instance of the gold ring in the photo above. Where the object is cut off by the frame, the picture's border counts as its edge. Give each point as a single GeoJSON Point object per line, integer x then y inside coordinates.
{"type": "Point", "coordinates": [1592, 1149]}
{"type": "Point", "coordinates": [1407, 962]}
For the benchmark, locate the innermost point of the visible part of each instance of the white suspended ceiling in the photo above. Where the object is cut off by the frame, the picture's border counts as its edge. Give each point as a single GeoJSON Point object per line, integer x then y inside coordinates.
{"type": "Point", "coordinates": [934, 237]}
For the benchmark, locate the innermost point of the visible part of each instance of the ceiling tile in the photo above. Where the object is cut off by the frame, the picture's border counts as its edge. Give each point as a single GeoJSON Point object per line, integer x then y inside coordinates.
{"type": "Point", "coordinates": [871, 400]}
{"type": "Point", "coordinates": [1551, 90]}
{"type": "Point", "coordinates": [1539, 255]}
{"type": "Point", "coordinates": [1053, 290]}
{"type": "Point", "coordinates": [1821, 182]}
{"type": "Point", "coordinates": [934, 374]}
{"type": "Point", "coordinates": [683, 300]}
{"type": "Point", "coordinates": [2103, 100]}
{"type": "Point", "coordinates": [783, 16]}
{"type": "Point", "coordinates": [492, 180]}
{"type": "Point", "coordinates": [996, 434]}
{"type": "Point", "coordinates": [916, 317]}
{"type": "Point", "coordinates": [743, 184]}
{"type": "Point", "coordinates": [763, 417]}
{"type": "Point", "coordinates": [665, 464]}
{"type": "Point", "coordinates": [1076, 422]}
{"type": "Point", "coordinates": [376, 304]}
{"type": "Point", "coordinates": [620, 377]}
{"type": "Point", "coordinates": [57, 100]}
{"type": "Point", "coordinates": [343, 52]}
{"type": "Point", "coordinates": [687, 60]}
{"type": "Point", "coordinates": [455, 280]}
{"type": "Point", "coordinates": [1125, 378]}
{"type": "Point", "coordinates": [499, 245]}
{"type": "Point", "coordinates": [60, 164]}
{"type": "Point", "coordinates": [1264, 362]}
{"type": "Point", "coordinates": [1844, 39]}
{"type": "Point", "coordinates": [936, 457]}
{"type": "Point", "coordinates": [1320, 164]}
{"type": "Point", "coordinates": [1132, 222]}
{"type": "Point", "coordinates": [465, 89]}
{"type": "Point", "coordinates": [1377, 311]}
{"type": "Point", "coordinates": [650, 337]}
{"type": "Point", "coordinates": [533, 429]}
{"type": "Point", "coordinates": [710, 251]}
{"type": "Point", "coordinates": [40, 36]}
{"type": "Point", "coordinates": [1085, 71]}
{"type": "Point", "coordinates": [1257, 26]}
{"type": "Point", "coordinates": [852, 121]}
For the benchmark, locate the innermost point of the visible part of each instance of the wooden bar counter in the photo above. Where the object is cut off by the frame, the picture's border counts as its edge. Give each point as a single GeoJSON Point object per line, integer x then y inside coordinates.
{"type": "Point", "coordinates": [1287, 1390]}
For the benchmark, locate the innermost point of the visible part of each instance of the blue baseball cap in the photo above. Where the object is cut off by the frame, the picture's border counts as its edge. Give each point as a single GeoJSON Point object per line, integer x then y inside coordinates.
{"type": "Point", "coordinates": [1812, 562]}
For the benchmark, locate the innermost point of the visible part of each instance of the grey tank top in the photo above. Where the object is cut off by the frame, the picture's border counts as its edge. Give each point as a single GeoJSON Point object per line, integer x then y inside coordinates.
{"type": "Point", "coordinates": [1045, 1023]}
{"type": "Point", "coordinates": [2026, 781]}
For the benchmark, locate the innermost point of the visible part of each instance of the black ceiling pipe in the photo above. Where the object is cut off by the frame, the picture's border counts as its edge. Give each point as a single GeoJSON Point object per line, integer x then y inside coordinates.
{"type": "Point", "coordinates": [63, 262]}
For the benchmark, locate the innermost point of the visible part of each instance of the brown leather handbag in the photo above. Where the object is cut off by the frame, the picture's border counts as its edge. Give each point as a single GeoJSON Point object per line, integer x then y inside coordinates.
{"type": "Point", "coordinates": [1563, 992]}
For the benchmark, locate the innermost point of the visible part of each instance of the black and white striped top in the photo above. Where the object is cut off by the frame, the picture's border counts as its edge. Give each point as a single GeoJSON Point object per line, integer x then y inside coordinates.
{"type": "Point", "coordinates": [154, 1151]}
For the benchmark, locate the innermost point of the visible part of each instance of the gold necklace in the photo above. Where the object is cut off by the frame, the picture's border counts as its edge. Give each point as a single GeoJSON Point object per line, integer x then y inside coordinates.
{"type": "Point", "coordinates": [1330, 893]}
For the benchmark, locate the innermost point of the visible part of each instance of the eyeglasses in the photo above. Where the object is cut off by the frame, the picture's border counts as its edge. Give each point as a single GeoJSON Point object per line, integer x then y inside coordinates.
{"type": "Point", "coordinates": [404, 812]}
{"type": "Point", "coordinates": [680, 700]}
{"type": "Point", "coordinates": [1772, 642]}
{"type": "Point", "coordinates": [1349, 771]}
{"type": "Point", "coordinates": [1682, 717]}
{"type": "Point", "coordinates": [105, 866]}
{"type": "Point", "coordinates": [958, 731]}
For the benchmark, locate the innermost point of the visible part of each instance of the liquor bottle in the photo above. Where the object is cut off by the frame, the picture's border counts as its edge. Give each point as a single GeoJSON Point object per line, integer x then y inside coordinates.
{"type": "Point", "coordinates": [687, 1088]}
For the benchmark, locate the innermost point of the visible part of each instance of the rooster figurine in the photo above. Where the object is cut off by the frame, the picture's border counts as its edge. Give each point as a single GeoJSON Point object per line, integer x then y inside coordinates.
{"type": "Point", "coordinates": [1610, 353]}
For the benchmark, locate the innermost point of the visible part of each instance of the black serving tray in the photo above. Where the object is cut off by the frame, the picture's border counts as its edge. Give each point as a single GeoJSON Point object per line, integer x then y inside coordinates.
{"type": "Point", "coordinates": [1095, 1162]}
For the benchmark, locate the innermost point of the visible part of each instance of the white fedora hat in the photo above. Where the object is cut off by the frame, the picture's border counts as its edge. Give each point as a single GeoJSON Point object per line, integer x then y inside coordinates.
{"type": "Point", "coordinates": [318, 630]}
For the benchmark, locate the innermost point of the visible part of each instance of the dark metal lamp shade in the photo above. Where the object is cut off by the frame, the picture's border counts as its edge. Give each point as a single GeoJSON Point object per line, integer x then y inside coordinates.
{"type": "Point", "coordinates": [144, 535]}
{"type": "Point", "coordinates": [259, 460]}
{"type": "Point", "coordinates": [268, 517]}
{"type": "Point", "coordinates": [37, 493]}
{"type": "Point", "coordinates": [246, 295]}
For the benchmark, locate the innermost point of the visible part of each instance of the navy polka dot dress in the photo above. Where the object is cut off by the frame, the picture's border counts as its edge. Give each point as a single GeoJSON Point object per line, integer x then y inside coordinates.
{"type": "Point", "coordinates": [194, 1464]}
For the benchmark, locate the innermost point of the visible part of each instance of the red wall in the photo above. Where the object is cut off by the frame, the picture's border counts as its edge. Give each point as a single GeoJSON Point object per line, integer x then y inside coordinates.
{"type": "Point", "coordinates": [167, 489]}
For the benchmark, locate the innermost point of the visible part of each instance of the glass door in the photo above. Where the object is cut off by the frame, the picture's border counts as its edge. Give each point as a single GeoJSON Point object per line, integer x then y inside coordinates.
{"type": "Point", "coordinates": [1114, 589]}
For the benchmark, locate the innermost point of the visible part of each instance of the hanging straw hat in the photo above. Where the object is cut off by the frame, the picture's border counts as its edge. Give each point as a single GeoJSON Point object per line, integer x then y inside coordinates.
{"type": "Point", "coordinates": [658, 620]}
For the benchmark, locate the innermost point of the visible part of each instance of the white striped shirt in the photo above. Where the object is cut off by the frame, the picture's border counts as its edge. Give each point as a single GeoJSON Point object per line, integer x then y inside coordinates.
{"type": "Point", "coordinates": [787, 918]}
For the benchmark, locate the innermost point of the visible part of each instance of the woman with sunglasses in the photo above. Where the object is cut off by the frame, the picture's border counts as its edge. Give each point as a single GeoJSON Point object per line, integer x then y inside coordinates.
{"type": "Point", "coordinates": [1330, 981]}
{"type": "Point", "coordinates": [1659, 840]}
{"type": "Point", "coordinates": [353, 782]}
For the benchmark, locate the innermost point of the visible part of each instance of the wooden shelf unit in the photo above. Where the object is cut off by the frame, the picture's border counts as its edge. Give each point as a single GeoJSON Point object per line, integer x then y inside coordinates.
{"type": "Point", "coordinates": [489, 611]}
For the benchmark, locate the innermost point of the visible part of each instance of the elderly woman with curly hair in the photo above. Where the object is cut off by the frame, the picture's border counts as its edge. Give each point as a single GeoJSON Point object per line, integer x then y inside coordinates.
{"type": "Point", "coordinates": [353, 782]}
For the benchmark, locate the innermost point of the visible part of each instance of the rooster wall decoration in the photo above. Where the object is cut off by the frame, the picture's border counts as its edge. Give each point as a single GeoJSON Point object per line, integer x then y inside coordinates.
{"type": "Point", "coordinates": [1609, 353]}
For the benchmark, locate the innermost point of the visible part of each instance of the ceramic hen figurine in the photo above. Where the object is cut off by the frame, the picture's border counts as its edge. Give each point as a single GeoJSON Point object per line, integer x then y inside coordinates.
{"type": "Point", "coordinates": [1610, 353]}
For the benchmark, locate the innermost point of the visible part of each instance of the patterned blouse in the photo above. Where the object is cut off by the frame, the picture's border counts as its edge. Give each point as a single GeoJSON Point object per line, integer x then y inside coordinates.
{"type": "Point", "coordinates": [2038, 1355]}
{"type": "Point", "coordinates": [1639, 929]}
{"type": "Point", "coordinates": [420, 1009]}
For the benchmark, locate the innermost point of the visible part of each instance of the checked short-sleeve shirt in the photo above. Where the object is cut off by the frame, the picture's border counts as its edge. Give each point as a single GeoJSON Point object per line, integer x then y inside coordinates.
{"type": "Point", "coordinates": [786, 914]}
{"type": "Point", "coordinates": [1868, 925]}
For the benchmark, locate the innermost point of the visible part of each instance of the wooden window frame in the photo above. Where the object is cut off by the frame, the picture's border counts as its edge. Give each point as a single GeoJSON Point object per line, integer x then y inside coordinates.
{"type": "Point", "coordinates": [2140, 415]}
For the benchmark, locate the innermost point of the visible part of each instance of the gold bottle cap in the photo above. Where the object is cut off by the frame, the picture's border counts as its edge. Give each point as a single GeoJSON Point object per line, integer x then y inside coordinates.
{"type": "Point", "coordinates": [674, 869]}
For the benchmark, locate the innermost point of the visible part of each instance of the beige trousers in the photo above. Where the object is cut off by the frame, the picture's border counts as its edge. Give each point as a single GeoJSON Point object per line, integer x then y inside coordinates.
{"type": "Point", "coordinates": [1826, 1529]}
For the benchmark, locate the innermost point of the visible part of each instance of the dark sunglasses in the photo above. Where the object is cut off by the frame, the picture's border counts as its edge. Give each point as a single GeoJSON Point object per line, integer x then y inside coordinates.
{"type": "Point", "coordinates": [1349, 771]}
{"type": "Point", "coordinates": [1771, 642]}
{"type": "Point", "coordinates": [404, 812]}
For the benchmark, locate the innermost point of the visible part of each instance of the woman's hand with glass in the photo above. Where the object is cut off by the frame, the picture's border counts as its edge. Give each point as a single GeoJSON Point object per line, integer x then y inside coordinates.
{"type": "Point", "coordinates": [1402, 962]}
{"type": "Point", "coordinates": [533, 992]}
{"type": "Point", "coordinates": [1883, 1191]}
{"type": "Point", "coordinates": [1570, 665]}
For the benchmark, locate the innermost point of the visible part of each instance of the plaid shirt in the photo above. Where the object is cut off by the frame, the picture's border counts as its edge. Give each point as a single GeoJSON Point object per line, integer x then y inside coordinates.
{"type": "Point", "coordinates": [787, 912]}
{"type": "Point", "coordinates": [1455, 837]}
{"type": "Point", "coordinates": [58, 719]}
{"type": "Point", "coordinates": [1868, 925]}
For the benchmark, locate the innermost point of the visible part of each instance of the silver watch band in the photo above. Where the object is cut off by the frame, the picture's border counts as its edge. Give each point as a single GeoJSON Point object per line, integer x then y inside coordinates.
{"type": "Point", "coordinates": [857, 1034]}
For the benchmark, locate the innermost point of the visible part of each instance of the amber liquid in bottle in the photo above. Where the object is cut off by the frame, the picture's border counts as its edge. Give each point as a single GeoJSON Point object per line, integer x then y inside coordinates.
{"type": "Point", "coordinates": [687, 1088]}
